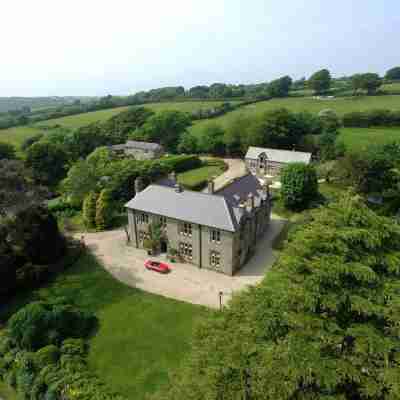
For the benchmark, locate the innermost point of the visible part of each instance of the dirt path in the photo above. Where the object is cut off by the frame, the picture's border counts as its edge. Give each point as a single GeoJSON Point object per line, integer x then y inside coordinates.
{"type": "Point", "coordinates": [236, 168]}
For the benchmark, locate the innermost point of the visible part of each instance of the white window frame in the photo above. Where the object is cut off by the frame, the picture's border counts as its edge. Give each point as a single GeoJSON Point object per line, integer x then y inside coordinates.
{"type": "Point", "coordinates": [215, 236]}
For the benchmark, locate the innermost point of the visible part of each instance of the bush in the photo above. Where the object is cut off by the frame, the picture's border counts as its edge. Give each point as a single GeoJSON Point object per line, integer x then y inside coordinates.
{"type": "Point", "coordinates": [40, 324]}
{"type": "Point", "coordinates": [181, 163]}
{"type": "Point", "coordinates": [299, 185]}
{"type": "Point", "coordinates": [378, 117]}
{"type": "Point", "coordinates": [46, 356]}
{"type": "Point", "coordinates": [74, 347]}
{"type": "Point", "coordinates": [104, 210]}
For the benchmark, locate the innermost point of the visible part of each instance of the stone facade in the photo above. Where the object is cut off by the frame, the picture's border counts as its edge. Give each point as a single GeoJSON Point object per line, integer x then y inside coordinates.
{"type": "Point", "coordinates": [205, 246]}
{"type": "Point", "coordinates": [264, 162]}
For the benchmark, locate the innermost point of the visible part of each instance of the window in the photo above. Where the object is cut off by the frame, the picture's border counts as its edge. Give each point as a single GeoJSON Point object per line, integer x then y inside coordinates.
{"type": "Point", "coordinates": [215, 259]}
{"type": "Point", "coordinates": [143, 236]}
{"type": "Point", "coordinates": [186, 229]}
{"type": "Point", "coordinates": [143, 218]}
{"type": "Point", "coordinates": [215, 236]}
{"type": "Point", "coordinates": [163, 221]}
{"type": "Point", "coordinates": [186, 250]}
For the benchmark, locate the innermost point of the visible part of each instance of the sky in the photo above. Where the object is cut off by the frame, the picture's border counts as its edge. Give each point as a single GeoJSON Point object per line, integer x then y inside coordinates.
{"type": "Point", "coordinates": [95, 48]}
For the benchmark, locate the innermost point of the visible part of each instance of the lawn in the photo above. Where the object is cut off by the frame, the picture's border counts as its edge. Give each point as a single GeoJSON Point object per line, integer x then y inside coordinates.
{"type": "Point", "coordinates": [197, 178]}
{"type": "Point", "coordinates": [141, 337]}
{"type": "Point", "coordinates": [341, 105]}
{"type": "Point", "coordinates": [7, 393]}
{"type": "Point", "coordinates": [391, 87]}
{"type": "Point", "coordinates": [359, 138]}
{"type": "Point", "coordinates": [17, 135]}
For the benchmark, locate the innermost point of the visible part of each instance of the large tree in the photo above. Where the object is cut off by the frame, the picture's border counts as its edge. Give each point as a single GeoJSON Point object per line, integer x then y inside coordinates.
{"type": "Point", "coordinates": [324, 323]}
{"type": "Point", "coordinates": [280, 87]}
{"type": "Point", "coordinates": [369, 82]}
{"type": "Point", "coordinates": [393, 74]}
{"type": "Point", "coordinates": [166, 128]}
{"type": "Point", "coordinates": [320, 81]}
{"type": "Point", "coordinates": [17, 189]}
{"type": "Point", "coordinates": [48, 162]}
{"type": "Point", "coordinates": [299, 185]}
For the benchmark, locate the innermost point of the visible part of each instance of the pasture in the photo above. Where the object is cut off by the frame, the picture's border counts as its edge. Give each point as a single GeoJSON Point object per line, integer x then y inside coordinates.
{"type": "Point", "coordinates": [141, 337]}
{"type": "Point", "coordinates": [17, 135]}
{"type": "Point", "coordinates": [356, 139]}
{"type": "Point", "coordinates": [341, 105]}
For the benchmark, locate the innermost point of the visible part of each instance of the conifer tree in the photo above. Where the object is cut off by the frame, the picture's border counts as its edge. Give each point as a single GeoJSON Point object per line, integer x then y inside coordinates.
{"type": "Point", "coordinates": [104, 210]}
{"type": "Point", "coordinates": [89, 210]}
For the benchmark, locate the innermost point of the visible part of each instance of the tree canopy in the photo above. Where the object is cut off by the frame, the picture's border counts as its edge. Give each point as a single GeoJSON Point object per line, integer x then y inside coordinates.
{"type": "Point", "coordinates": [320, 81]}
{"type": "Point", "coordinates": [324, 323]}
{"type": "Point", "coordinates": [393, 74]}
{"type": "Point", "coordinates": [7, 151]}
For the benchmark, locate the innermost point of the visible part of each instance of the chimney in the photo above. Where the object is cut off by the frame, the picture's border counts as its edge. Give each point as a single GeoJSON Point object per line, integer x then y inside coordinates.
{"type": "Point", "coordinates": [138, 184]}
{"type": "Point", "coordinates": [178, 188]}
{"type": "Point", "coordinates": [250, 201]}
{"type": "Point", "coordinates": [211, 186]}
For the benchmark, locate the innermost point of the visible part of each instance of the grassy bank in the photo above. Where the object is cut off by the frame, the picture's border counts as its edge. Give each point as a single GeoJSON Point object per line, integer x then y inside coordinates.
{"type": "Point", "coordinates": [7, 393]}
{"type": "Point", "coordinates": [141, 337]}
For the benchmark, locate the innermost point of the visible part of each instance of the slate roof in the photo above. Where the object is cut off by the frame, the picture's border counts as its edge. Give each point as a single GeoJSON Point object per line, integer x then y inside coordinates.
{"type": "Point", "coordinates": [195, 207]}
{"type": "Point", "coordinates": [240, 189]}
{"type": "Point", "coordinates": [137, 145]}
{"type": "Point", "coordinates": [281, 156]}
{"type": "Point", "coordinates": [143, 145]}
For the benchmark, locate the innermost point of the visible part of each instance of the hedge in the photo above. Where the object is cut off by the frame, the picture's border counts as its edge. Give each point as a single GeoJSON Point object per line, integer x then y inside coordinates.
{"type": "Point", "coordinates": [378, 117]}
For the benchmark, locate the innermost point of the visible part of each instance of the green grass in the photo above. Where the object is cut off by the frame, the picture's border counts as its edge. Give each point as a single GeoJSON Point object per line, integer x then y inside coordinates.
{"type": "Point", "coordinates": [17, 135]}
{"type": "Point", "coordinates": [7, 393]}
{"type": "Point", "coordinates": [197, 178]}
{"type": "Point", "coordinates": [360, 138]}
{"type": "Point", "coordinates": [141, 337]}
{"type": "Point", "coordinates": [391, 87]}
{"type": "Point", "coordinates": [340, 105]}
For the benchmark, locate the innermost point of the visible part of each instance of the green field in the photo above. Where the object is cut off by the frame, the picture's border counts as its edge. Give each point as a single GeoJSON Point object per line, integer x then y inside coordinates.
{"type": "Point", "coordinates": [360, 138]}
{"type": "Point", "coordinates": [340, 105]}
{"type": "Point", "coordinates": [196, 178]}
{"type": "Point", "coordinates": [17, 135]}
{"type": "Point", "coordinates": [141, 337]}
{"type": "Point", "coordinates": [391, 87]}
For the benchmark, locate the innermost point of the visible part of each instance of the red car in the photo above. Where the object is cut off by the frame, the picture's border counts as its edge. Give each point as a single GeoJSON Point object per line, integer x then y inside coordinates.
{"type": "Point", "coordinates": [157, 266]}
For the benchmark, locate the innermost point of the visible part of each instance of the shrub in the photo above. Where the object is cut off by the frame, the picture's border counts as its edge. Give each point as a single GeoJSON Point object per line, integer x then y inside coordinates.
{"type": "Point", "coordinates": [181, 163]}
{"type": "Point", "coordinates": [73, 347]}
{"type": "Point", "coordinates": [39, 324]}
{"type": "Point", "coordinates": [46, 355]}
{"type": "Point", "coordinates": [7, 151]}
{"type": "Point", "coordinates": [104, 210]}
{"type": "Point", "coordinates": [89, 210]}
{"type": "Point", "coordinates": [299, 185]}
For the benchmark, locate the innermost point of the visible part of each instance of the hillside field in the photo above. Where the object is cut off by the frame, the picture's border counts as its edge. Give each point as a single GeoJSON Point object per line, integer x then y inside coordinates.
{"type": "Point", "coordinates": [17, 135]}
{"type": "Point", "coordinates": [340, 105]}
{"type": "Point", "coordinates": [360, 138]}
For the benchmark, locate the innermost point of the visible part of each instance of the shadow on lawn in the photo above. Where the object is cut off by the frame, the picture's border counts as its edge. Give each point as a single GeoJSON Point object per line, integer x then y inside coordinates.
{"type": "Point", "coordinates": [86, 284]}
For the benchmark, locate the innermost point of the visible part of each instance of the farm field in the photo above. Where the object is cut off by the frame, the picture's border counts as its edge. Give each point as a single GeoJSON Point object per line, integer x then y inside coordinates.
{"type": "Point", "coordinates": [340, 105]}
{"type": "Point", "coordinates": [141, 337]}
{"type": "Point", "coordinates": [17, 135]}
{"type": "Point", "coordinates": [359, 138]}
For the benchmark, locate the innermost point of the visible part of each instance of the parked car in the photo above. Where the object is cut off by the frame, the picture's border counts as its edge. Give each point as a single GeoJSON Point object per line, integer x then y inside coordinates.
{"type": "Point", "coordinates": [157, 266]}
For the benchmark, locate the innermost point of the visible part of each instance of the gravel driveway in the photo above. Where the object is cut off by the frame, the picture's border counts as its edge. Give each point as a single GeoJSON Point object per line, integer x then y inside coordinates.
{"type": "Point", "coordinates": [236, 168]}
{"type": "Point", "coordinates": [185, 282]}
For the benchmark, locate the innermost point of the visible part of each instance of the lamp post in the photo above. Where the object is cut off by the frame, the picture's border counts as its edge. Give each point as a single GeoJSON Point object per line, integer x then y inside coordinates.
{"type": "Point", "coordinates": [220, 294]}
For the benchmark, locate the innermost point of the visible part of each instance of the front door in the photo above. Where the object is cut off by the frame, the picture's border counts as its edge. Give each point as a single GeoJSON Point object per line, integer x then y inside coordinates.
{"type": "Point", "coordinates": [164, 246]}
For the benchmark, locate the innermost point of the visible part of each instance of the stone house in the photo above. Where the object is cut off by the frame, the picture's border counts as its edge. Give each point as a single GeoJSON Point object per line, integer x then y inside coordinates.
{"type": "Point", "coordinates": [138, 150]}
{"type": "Point", "coordinates": [214, 230]}
{"type": "Point", "coordinates": [264, 162]}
